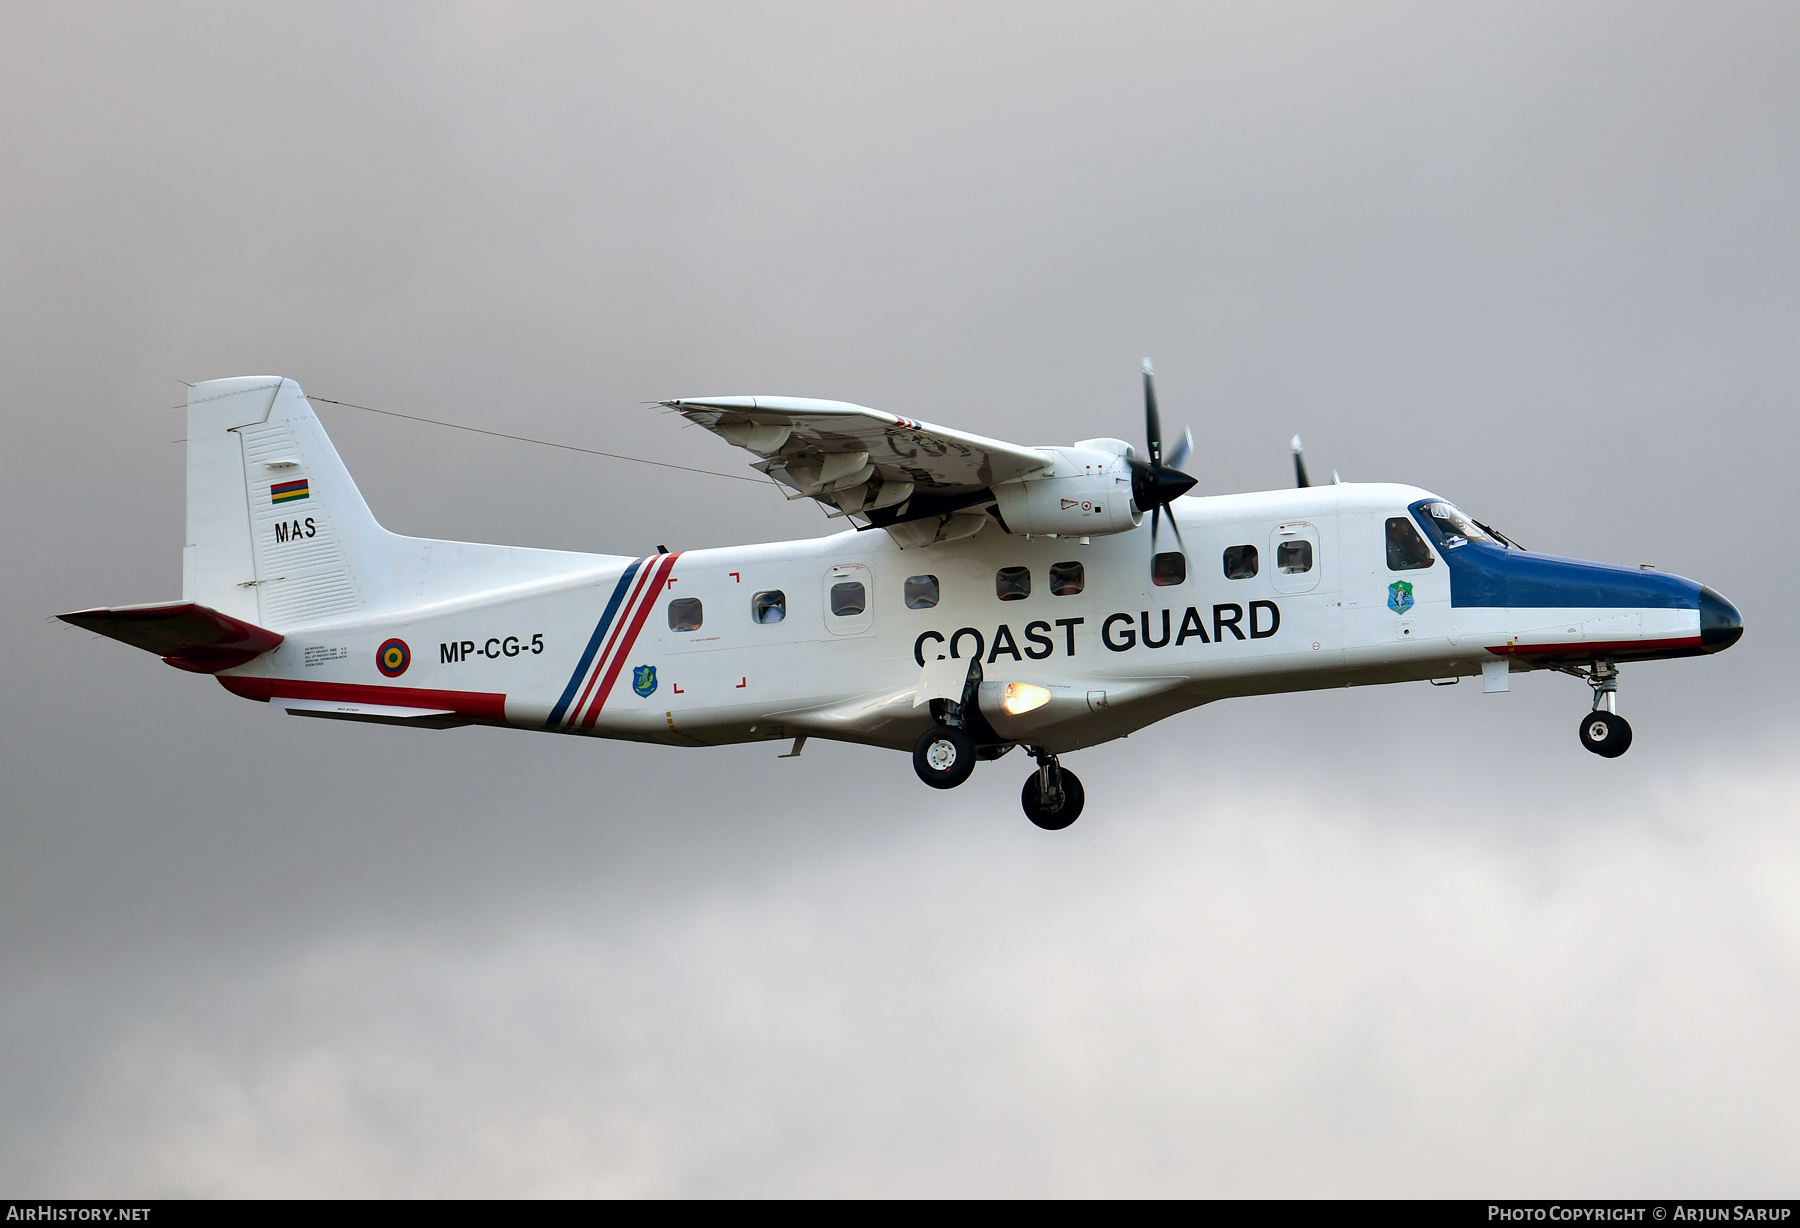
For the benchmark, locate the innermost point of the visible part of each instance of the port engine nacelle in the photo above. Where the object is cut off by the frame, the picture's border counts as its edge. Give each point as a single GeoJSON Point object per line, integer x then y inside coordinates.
{"type": "Point", "coordinates": [1087, 493]}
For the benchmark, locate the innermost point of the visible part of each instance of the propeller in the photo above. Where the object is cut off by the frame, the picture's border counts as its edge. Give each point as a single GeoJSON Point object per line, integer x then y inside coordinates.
{"type": "Point", "coordinates": [1154, 486]}
{"type": "Point", "coordinates": [1184, 448]}
{"type": "Point", "coordinates": [1300, 478]}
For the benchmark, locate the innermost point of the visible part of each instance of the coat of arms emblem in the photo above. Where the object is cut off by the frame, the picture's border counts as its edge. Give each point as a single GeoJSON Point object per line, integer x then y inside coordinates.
{"type": "Point", "coordinates": [643, 679]}
{"type": "Point", "coordinates": [1400, 597]}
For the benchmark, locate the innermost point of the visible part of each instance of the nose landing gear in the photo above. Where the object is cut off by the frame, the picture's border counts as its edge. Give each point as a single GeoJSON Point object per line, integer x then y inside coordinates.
{"type": "Point", "coordinates": [1052, 797]}
{"type": "Point", "coordinates": [1603, 730]}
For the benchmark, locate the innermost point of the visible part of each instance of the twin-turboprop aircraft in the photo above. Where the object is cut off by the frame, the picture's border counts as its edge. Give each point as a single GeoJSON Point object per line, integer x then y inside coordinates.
{"type": "Point", "coordinates": [986, 596]}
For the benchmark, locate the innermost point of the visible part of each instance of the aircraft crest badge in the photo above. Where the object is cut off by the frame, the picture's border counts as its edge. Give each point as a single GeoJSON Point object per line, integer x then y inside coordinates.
{"type": "Point", "coordinates": [643, 680]}
{"type": "Point", "coordinates": [1400, 596]}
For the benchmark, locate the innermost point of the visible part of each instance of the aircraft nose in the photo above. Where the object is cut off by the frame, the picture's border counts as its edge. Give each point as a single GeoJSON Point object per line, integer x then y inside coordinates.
{"type": "Point", "coordinates": [1721, 625]}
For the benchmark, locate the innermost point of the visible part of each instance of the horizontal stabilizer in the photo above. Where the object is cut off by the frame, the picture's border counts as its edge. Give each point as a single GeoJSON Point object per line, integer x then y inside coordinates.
{"type": "Point", "coordinates": [184, 634]}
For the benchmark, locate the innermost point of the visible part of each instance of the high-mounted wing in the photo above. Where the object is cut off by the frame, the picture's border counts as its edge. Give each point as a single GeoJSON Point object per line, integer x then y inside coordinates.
{"type": "Point", "coordinates": [878, 469]}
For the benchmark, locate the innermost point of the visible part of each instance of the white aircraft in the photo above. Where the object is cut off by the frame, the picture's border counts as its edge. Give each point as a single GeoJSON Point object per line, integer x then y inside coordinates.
{"type": "Point", "coordinates": [987, 596]}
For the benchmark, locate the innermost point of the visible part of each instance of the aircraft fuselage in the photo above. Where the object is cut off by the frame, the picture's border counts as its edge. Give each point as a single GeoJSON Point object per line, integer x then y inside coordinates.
{"type": "Point", "coordinates": [680, 648]}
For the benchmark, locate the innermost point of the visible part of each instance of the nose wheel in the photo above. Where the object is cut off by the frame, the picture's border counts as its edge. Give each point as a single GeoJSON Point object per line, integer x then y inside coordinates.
{"type": "Point", "coordinates": [1052, 796]}
{"type": "Point", "coordinates": [1603, 730]}
{"type": "Point", "coordinates": [1606, 734]}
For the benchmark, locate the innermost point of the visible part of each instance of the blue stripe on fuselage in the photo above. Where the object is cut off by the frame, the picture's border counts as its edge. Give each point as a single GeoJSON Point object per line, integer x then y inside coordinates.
{"type": "Point", "coordinates": [1484, 575]}
{"type": "Point", "coordinates": [593, 645]}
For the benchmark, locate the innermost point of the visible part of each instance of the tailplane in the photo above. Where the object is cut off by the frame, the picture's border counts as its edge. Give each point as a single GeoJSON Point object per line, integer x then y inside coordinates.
{"type": "Point", "coordinates": [183, 634]}
{"type": "Point", "coordinates": [278, 538]}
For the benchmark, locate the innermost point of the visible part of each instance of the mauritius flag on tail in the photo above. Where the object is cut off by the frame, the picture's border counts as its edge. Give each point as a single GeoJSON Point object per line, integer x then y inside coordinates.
{"type": "Point", "coordinates": [288, 492]}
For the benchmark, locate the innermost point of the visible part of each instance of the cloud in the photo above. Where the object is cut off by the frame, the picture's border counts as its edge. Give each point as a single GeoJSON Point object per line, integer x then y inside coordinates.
{"type": "Point", "coordinates": [1245, 995]}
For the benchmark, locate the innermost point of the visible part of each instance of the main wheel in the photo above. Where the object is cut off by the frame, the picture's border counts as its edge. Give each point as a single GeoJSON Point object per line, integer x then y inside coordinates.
{"type": "Point", "coordinates": [1606, 733]}
{"type": "Point", "coordinates": [1073, 799]}
{"type": "Point", "coordinates": [944, 756]}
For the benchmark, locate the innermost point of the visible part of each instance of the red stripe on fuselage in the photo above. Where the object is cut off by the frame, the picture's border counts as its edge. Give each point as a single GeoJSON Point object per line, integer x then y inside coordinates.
{"type": "Point", "coordinates": [477, 705]}
{"type": "Point", "coordinates": [639, 586]}
{"type": "Point", "coordinates": [1682, 646]}
{"type": "Point", "coordinates": [630, 638]}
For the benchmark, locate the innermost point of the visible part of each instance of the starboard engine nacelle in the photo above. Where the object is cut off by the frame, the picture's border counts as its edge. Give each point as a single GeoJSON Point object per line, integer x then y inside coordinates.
{"type": "Point", "coordinates": [1086, 493]}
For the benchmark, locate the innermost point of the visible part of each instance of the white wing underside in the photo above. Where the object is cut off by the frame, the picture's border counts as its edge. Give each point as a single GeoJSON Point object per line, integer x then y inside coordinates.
{"type": "Point", "coordinates": [923, 483]}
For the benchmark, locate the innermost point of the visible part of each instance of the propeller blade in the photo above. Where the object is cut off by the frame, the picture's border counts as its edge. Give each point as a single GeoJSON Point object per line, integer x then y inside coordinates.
{"type": "Point", "coordinates": [1183, 449]}
{"type": "Point", "coordinates": [1176, 525]}
{"type": "Point", "coordinates": [1152, 420]}
{"type": "Point", "coordinates": [1154, 485]}
{"type": "Point", "coordinates": [1300, 478]}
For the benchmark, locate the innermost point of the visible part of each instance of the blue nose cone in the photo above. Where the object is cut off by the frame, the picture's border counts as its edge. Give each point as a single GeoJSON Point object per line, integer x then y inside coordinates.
{"type": "Point", "coordinates": [1721, 625]}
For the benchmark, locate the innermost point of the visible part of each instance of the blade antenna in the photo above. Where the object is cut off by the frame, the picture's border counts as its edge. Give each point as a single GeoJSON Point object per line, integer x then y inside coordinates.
{"type": "Point", "coordinates": [1300, 478]}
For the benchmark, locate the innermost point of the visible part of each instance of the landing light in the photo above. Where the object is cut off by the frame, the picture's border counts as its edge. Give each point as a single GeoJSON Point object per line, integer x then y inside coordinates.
{"type": "Point", "coordinates": [1022, 697]}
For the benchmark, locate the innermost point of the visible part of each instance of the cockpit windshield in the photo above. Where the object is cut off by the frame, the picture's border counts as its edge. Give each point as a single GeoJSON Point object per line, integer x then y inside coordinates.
{"type": "Point", "coordinates": [1451, 528]}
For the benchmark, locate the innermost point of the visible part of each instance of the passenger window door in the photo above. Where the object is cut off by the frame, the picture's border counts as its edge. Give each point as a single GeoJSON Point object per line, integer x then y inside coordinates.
{"type": "Point", "coordinates": [849, 599]}
{"type": "Point", "coordinates": [1293, 559]}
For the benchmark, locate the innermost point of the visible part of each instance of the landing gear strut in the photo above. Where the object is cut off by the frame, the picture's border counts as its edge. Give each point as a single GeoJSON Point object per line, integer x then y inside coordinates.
{"type": "Point", "coordinates": [1603, 730]}
{"type": "Point", "coordinates": [944, 755]}
{"type": "Point", "coordinates": [1052, 797]}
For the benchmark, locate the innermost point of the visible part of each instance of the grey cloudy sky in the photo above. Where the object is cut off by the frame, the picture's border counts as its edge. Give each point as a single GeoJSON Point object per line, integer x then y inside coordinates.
{"type": "Point", "coordinates": [1539, 258]}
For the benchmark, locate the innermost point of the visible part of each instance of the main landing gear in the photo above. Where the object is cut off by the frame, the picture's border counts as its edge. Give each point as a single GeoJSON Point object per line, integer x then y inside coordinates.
{"type": "Point", "coordinates": [1052, 797]}
{"type": "Point", "coordinates": [1603, 730]}
{"type": "Point", "coordinates": [945, 755]}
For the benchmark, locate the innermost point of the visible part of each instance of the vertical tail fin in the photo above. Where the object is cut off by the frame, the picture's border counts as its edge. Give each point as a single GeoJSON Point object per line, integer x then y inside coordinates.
{"type": "Point", "coordinates": [277, 533]}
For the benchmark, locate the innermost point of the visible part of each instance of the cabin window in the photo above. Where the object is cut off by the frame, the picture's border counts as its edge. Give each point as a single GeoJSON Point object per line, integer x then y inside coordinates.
{"type": "Point", "coordinates": [1240, 562]}
{"type": "Point", "coordinates": [1012, 583]}
{"type": "Point", "coordinates": [1067, 579]}
{"type": "Point", "coordinates": [848, 597]}
{"type": "Point", "coordinates": [685, 614]}
{"type": "Point", "coordinates": [1293, 558]}
{"type": "Point", "coordinates": [769, 607]}
{"type": "Point", "coordinates": [921, 592]}
{"type": "Point", "coordinates": [1169, 568]}
{"type": "Point", "coordinates": [1406, 550]}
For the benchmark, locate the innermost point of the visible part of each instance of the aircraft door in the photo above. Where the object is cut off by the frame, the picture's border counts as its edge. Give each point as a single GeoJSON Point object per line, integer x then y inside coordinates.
{"type": "Point", "coordinates": [849, 599]}
{"type": "Point", "coordinates": [1294, 554]}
